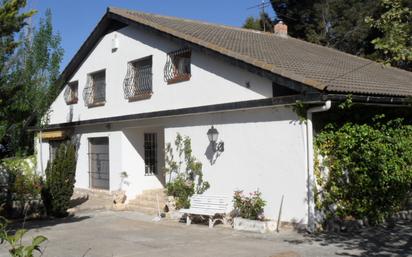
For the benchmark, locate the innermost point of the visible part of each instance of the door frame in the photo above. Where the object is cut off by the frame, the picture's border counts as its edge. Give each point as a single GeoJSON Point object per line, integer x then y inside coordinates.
{"type": "Point", "coordinates": [90, 161]}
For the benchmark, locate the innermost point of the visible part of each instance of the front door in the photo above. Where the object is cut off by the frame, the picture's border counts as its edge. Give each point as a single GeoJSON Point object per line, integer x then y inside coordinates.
{"type": "Point", "coordinates": [99, 163]}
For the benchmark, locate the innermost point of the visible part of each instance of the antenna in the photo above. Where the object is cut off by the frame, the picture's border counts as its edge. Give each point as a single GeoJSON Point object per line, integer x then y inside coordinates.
{"type": "Point", "coordinates": [264, 4]}
{"type": "Point", "coordinates": [262, 7]}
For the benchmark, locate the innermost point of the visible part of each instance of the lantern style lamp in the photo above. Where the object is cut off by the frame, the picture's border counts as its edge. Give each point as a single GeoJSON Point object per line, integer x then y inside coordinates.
{"type": "Point", "coordinates": [213, 136]}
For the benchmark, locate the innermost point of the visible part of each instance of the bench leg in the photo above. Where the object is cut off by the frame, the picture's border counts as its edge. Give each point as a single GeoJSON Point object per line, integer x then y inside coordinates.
{"type": "Point", "coordinates": [188, 220]}
{"type": "Point", "coordinates": [211, 222]}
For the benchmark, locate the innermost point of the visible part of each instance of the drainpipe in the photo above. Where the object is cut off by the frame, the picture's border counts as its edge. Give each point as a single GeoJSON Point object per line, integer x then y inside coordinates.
{"type": "Point", "coordinates": [310, 157]}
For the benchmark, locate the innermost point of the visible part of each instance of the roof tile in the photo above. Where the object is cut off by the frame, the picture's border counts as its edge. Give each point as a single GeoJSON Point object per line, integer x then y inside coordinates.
{"type": "Point", "coordinates": [316, 66]}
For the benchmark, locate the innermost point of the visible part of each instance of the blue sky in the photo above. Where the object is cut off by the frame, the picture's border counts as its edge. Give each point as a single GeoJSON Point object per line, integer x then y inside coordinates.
{"type": "Point", "coordinates": [75, 19]}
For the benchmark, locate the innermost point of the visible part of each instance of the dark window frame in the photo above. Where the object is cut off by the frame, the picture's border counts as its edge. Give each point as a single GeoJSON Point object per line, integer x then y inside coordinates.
{"type": "Point", "coordinates": [138, 83]}
{"type": "Point", "coordinates": [178, 66]}
{"type": "Point", "coordinates": [92, 89]}
{"type": "Point", "coordinates": [151, 158]}
{"type": "Point", "coordinates": [71, 94]}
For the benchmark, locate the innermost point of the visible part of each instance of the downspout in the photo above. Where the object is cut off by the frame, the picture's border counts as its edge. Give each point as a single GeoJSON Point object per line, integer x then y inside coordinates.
{"type": "Point", "coordinates": [309, 159]}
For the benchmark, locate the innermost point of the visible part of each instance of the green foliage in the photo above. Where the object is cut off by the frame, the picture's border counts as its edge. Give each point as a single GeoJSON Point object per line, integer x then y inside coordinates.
{"type": "Point", "coordinates": [365, 170]}
{"type": "Point", "coordinates": [263, 23]}
{"type": "Point", "coordinates": [186, 169]}
{"type": "Point", "coordinates": [17, 248]}
{"type": "Point", "coordinates": [28, 85]}
{"type": "Point", "coordinates": [339, 24]}
{"type": "Point", "coordinates": [12, 20]}
{"type": "Point", "coordinates": [21, 181]}
{"type": "Point", "coordinates": [60, 179]}
{"type": "Point", "coordinates": [300, 109]}
{"type": "Point", "coordinates": [395, 24]}
{"type": "Point", "coordinates": [347, 104]}
{"type": "Point", "coordinates": [249, 207]}
{"type": "Point", "coordinates": [252, 23]}
{"type": "Point", "coordinates": [181, 190]}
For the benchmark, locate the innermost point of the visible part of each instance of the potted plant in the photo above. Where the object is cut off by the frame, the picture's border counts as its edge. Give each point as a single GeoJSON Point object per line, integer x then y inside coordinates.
{"type": "Point", "coordinates": [249, 213]}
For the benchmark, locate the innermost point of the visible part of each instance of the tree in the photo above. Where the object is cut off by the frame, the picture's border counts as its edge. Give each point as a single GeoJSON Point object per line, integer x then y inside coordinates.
{"type": "Point", "coordinates": [394, 45]}
{"type": "Point", "coordinates": [335, 23]}
{"type": "Point", "coordinates": [263, 23]}
{"type": "Point", "coordinates": [12, 20]}
{"type": "Point", "coordinates": [60, 180]}
{"type": "Point", "coordinates": [32, 77]}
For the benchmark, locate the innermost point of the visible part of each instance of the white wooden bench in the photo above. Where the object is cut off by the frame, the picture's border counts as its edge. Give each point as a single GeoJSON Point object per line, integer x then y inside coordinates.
{"type": "Point", "coordinates": [214, 207]}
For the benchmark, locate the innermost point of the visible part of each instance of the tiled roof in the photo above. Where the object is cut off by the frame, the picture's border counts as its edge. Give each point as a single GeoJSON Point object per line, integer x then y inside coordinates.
{"type": "Point", "coordinates": [317, 66]}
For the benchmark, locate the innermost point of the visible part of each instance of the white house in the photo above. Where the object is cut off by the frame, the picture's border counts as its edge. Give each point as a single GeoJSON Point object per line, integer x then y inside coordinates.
{"type": "Point", "coordinates": [139, 79]}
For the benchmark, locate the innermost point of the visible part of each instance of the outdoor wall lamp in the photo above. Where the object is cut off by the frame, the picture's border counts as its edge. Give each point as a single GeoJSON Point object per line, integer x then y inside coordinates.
{"type": "Point", "coordinates": [213, 136]}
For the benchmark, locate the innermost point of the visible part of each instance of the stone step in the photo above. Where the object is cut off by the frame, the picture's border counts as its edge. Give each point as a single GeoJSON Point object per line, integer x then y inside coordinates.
{"type": "Point", "coordinates": [154, 191]}
{"type": "Point", "coordinates": [145, 210]}
{"type": "Point", "coordinates": [149, 198]}
{"type": "Point", "coordinates": [149, 204]}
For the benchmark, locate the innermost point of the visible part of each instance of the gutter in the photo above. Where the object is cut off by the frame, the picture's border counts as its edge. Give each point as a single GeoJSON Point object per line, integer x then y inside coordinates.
{"type": "Point", "coordinates": [309, 161]}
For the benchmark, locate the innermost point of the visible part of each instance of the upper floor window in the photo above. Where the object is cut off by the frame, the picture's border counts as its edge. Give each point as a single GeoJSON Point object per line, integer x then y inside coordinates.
{"type": "Point", "coordinates": [138, 81]}
{"type": "Point", "coordinates": [71, 93]}
{"type": "Point", "coordinates": [177, 66]}
{"type": "Point", "coordinates": [94, 93]}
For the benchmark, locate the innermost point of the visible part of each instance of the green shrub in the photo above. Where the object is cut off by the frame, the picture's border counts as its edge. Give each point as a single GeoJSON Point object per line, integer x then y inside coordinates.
{"type": "Point", "coordinates": [249, 207]}
{"type": "Point", "coordinates": [60, 178]}
{"type": "Point", "coordinates": [181, 190]}
{"type": "Point", "coordinates": [20, 183]}
{"type": "Point", "coordinates": [17, 248]}
{"type": "Point", "coordinates": [365, 170]}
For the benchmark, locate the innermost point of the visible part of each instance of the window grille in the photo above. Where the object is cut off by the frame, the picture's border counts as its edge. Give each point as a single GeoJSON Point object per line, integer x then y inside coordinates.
{"type": "Point", "coordinates": [71, 93]}
{"type": "Point", "coordinates": [138, 81]}
{"type": "Point", "coordinates": [177, 66]}
{"type": "Point", "coordinates": [95, 91]}
{"type": "Point", "coordinates": [150, 153]}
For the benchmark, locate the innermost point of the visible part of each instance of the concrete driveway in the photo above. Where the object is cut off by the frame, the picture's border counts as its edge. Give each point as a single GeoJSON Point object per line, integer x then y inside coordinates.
{"type": "Point", "coordinates": [127, 234]}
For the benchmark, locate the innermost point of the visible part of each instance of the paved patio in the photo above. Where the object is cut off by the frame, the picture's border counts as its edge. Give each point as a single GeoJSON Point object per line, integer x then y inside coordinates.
{"type": "Point", "coordinates": [127, 234]}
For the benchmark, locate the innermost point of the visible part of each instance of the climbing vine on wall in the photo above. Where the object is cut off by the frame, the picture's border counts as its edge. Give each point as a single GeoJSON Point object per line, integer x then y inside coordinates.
{"type": "Point", "coordinates": [184, 170]}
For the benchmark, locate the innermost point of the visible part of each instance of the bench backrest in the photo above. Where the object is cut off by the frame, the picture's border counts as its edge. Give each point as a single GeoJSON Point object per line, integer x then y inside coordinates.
{"type": "Point", "coordinates": [210, 203]}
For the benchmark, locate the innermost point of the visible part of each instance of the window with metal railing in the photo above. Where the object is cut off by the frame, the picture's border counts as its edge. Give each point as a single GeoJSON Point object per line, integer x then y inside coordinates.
{"type": "Point", "coordinates": [94, 93]}
{"type": "Point", "coordinates": [138, 81]}
{"type": "Point", "coordinates": [177, 66]}
{"type": "Point", "coordinates": [71, 93]}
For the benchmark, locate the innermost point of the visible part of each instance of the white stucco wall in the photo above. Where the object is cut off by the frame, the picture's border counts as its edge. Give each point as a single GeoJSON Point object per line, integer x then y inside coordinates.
{"type": "Point", "coordinates": [264, 149]}
{"type": "Point", "coordinates": [213, 81]}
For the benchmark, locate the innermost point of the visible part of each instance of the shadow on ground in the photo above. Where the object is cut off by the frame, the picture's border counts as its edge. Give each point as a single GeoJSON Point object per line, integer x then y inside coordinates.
{"type": "Point", "coordinates": [45, 223]}
{"type": "Point", "coordinates": [381, 241]}
{"type": "Point", "coordinates": [77, 201]}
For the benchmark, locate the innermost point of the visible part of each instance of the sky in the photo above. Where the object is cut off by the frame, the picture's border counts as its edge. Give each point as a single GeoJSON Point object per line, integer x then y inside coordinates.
{"type": "Point", "coordinates": [75, 19]}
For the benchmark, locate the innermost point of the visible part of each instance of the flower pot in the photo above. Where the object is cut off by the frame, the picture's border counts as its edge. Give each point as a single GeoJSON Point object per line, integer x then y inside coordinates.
{"type": "Point", "coordinates": [257, 226]}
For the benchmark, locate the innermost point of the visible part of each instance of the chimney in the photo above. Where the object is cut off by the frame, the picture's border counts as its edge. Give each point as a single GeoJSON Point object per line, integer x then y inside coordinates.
{"type": "Point", "coordinates": [281, 29]}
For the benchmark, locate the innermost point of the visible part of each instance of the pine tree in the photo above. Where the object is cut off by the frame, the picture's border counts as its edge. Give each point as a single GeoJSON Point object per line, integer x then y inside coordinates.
{"type": "Point", "coordinates": [32, 70]}
{"type": "Point", "coordinates": [60, 180]}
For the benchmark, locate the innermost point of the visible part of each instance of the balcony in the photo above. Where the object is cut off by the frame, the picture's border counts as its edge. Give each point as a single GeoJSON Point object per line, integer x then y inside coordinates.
{"type": "Point", "coordinates": [137, 84]}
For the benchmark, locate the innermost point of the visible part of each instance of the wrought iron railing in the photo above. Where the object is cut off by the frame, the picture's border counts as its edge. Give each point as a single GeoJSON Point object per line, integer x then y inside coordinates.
{"type": "Point", "coordinates": [94, 92]}
{"type": "Point", "coordinates": [138, 81]}
{"type": "Point", "coordinates": [70, 94]}
{"type": "Point", "coordinates": [177, 66]}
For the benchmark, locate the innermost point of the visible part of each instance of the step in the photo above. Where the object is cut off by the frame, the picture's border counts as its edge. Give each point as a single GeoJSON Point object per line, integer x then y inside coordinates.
{"type": "Point", "coordinates": [149, 198]}
{"type": "Point", "coordinates": [146, 204]}
{"type": "Point", "coordinates": [145, 210]}
{"type": "Point", "coordinates": [154, 191]}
